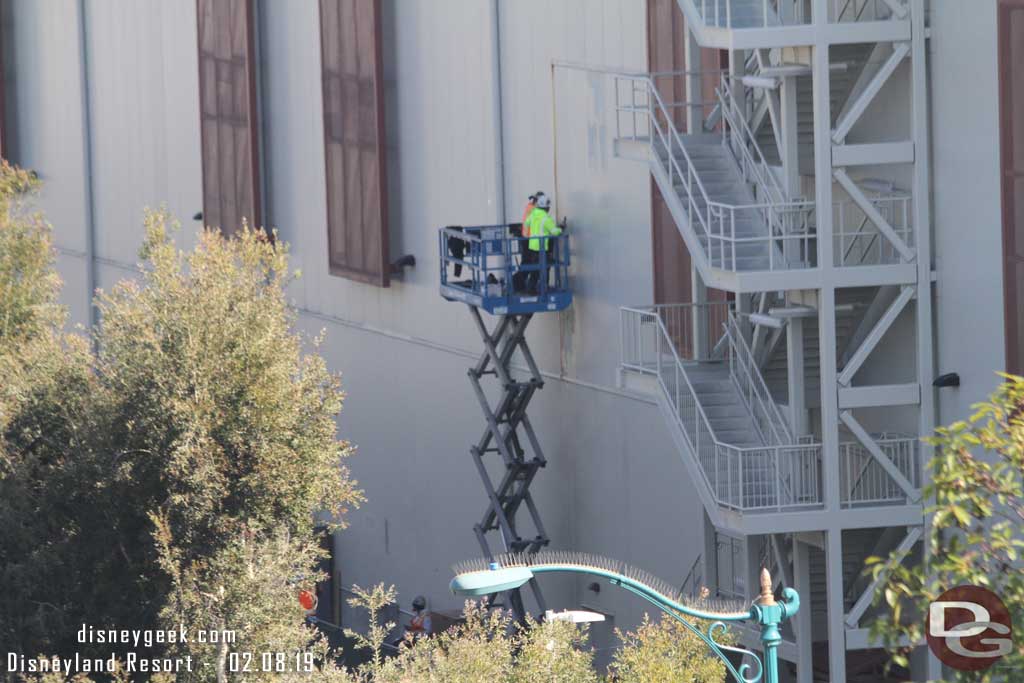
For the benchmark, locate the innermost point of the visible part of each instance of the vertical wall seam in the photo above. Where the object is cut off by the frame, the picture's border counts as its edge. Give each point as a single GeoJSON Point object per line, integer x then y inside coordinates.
{"type": "Point", "coordinates": [87, 164]}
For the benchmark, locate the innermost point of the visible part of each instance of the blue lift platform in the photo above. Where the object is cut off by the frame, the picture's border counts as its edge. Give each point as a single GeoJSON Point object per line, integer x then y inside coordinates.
{"type": "Point", "coordinates": [482, 267]}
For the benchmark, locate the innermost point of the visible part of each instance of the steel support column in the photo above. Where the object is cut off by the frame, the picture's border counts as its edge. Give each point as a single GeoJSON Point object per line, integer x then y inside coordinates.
{"type": "Point", "coordinates": [789, 152]}
{"type": "Point", "coordinates": [923, 221]}
{"type": "Point", "coordinates": [694, 83]}
{"type": "Point", "coordinates": [822, 106]}
{"type": "Point", "coordinates": [802, 624]}
{"type": "Point", "coordinates": [796, 376]}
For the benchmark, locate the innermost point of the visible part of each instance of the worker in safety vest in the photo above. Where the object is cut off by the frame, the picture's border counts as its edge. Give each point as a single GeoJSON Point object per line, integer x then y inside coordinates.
{"type": "Point", "coordinates": [538, 224]}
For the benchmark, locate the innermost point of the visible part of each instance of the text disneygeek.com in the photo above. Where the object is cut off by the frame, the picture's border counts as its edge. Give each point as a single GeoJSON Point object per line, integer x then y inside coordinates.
{"type": "Point", "coordinates": [133, 662]}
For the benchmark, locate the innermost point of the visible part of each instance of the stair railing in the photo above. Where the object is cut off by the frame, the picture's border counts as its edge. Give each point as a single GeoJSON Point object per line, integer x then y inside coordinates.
{"type": "Point", "coordinates": [858, 8]}
{"type": "Point", "coordinates": [752, 388]}
{"type": "Point", "coordinates": [648, 119]}
{"type": "Point", "coordinates": [865, 244]}
{"type": "Point", "coordinates": [664, 138]}
{"type": "Point", "coordinates": [693, 584]}
{"type": "Point", "coordinates": [662, 359]}
{"type": "Point", "coordinates": [863, 481]}
{"type": "Point", "coordinates": [719, 13]}
{"type": "Point", "coordinates": [758, 478]}
{"type": "Point", "coordinates": [744, 146]}
{"type": "Point", "coordinates": [788, 221]}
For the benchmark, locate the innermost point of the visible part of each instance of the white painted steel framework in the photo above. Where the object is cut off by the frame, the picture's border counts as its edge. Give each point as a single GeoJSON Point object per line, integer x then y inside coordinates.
{"type": "Point", "coordinates": [857, 260]}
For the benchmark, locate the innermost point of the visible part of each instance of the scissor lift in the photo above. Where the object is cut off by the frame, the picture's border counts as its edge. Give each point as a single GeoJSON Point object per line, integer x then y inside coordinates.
{"type": "Point", "coordinates": [498, 282]}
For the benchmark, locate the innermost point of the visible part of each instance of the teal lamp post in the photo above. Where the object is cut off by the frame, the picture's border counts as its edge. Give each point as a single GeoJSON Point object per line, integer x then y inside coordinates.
{"type": "Point", "coordinates": [481, 577]}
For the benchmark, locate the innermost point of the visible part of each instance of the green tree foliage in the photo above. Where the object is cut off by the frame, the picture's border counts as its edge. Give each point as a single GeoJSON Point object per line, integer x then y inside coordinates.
{"type": "Point", "coordinates": [667, 652]}
{"type": "Point", "coordinates": [44, 417]}
{"type": "Point", "coordinates": [29, 285]}
{"type": "Point", "coordinates": [487, 646]}
{"type": "Point", "coordinates": [977, 485]}
{"type": "Point", "coordinates": [225, 430]}
{"type": "Point", "coordinates": [174, 475]}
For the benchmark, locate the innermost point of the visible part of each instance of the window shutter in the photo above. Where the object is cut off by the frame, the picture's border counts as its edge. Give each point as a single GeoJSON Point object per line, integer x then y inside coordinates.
{"type": "Point", "coordinates": [1011, 118]}
{"type": "Point", "coordinates": [353, 96]}
{"type": "Point", "coordinates": [228, 114]}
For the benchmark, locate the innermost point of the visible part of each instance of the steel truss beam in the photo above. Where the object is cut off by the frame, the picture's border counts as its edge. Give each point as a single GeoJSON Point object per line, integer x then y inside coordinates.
{"type": "Point", "coordinates": [913, 494]}
{"type": "Point", "coordinates": [507, 423]}
{"type": "Point", "coordinates": [875, 336]}
{"type": "Point", "coordinates": [866, 597]}
{"type": "Point", "coordinates": [858, 196]}
{"type": "Point", "coordinates": [860, 105]}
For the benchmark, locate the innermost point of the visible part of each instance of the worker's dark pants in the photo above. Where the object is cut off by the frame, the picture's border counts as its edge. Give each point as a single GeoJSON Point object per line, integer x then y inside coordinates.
{"type": "Point", "coordinates": [530, 278]}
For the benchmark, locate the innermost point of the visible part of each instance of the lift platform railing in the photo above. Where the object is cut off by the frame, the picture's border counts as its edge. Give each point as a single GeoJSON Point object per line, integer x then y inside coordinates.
{"type": "Point", "coordinates": [485, 266]}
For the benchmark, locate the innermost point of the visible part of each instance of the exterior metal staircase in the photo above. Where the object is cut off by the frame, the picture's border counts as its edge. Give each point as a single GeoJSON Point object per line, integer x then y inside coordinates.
{"type": "Point", "coordinates": [731, 434]}
{"type": "Point", "coordinates": [849, 318]}
{"type": "Point", "coordinates": [722, 387]}
{"type": "Point", "coordinates": [726, 201]}
{"type": "Point", "coordinates": [719, 187]}
{"type": "Point", "coordinates": [726, 420]}
{"type": "Point", "coordinates": [722, 193]}
{"type": "Point", "coordinates": [733, 24]}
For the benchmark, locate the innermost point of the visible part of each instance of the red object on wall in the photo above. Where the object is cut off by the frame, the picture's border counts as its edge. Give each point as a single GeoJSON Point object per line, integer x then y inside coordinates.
{"type": "Point", "coordinates": [307, 600]}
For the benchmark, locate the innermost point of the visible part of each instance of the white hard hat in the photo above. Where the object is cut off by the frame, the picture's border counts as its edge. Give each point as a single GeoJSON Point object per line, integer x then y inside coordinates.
{"type": "Point", "coordinates": [543, 201]}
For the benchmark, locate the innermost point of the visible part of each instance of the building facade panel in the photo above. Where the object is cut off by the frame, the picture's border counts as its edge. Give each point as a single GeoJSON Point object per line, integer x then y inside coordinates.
{"type": "Point", "coordinates": [966, 203]}
{"type": "Point", "coordinates": [143, 101]}
{"type": "Point", "coordinates": [466, 140]}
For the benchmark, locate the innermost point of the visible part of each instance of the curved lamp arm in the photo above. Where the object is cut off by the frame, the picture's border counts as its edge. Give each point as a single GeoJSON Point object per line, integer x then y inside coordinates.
{"type": "Point", "coordinates": [765, 612]}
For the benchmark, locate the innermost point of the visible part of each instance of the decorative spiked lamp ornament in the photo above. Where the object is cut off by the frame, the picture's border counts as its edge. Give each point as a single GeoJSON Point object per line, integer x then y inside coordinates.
{"type": "Point", "coordinates": [483, 577]}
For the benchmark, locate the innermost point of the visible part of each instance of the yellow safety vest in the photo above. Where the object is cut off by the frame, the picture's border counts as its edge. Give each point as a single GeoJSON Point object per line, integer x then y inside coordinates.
{"type": "Point", "coordinates": [540, 224]}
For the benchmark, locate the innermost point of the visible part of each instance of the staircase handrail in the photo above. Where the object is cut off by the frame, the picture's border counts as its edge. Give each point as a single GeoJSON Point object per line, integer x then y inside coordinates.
{"type": "Point", "coordinates": [753, 163]}
{"type": "Point", "coordinates": [654, 97]}
{"type": "Point", "coordinates": [758, 393]}
{"type": "Point", "coordinates": [702, 9]}
{"type": "Point", "coordinates": [667, 339]}
{"type": "Point", "coordinates": [693, 578]}
{"type": "Point", "coordinates": [766, 180]}
{"type": "Point", "coordinates": [720, 451]}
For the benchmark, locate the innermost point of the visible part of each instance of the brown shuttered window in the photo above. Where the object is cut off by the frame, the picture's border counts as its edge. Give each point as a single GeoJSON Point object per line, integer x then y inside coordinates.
{"type": "Point", "coordinates": [353, 94]}
{"type": "Point", "coordinates": [228, 119]}
{"type": "Point", "coordinates": [1011, 118]}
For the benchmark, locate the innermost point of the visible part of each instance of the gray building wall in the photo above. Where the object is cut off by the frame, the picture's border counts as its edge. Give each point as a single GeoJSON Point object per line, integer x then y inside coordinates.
{"type": "Point", "coordinates": [966, 202]}
{"type": "Point", "coordinates": [614, 483]}
{"type": "Point", "coordinates": [404, 350]}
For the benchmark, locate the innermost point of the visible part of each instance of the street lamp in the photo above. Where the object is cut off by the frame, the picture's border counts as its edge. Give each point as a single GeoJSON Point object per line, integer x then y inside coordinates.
{"type": "Point", "coordinates": [483, 577]}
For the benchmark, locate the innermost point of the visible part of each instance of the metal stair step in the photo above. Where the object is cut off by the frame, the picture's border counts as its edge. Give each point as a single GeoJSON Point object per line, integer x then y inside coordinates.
{"type": "Point", "coordinates": [726, 410]}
